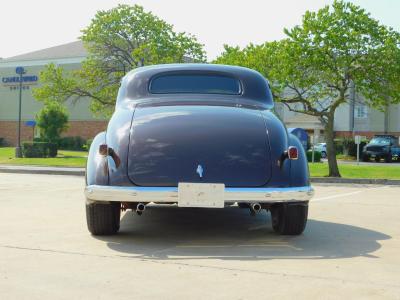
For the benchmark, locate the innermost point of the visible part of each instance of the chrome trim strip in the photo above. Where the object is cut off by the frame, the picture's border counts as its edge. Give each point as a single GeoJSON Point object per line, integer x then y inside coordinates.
{"type": "Point", "coordinates": [170, 194]}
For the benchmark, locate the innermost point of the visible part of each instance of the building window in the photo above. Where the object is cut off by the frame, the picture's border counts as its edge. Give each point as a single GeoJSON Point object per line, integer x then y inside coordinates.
{"type": "Point", "coordinates": [361, 111]}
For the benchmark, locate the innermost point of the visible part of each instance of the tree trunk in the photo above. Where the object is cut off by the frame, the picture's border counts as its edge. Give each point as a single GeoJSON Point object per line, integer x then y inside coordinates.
{"type": "Point", "coordinates": [330, 148]}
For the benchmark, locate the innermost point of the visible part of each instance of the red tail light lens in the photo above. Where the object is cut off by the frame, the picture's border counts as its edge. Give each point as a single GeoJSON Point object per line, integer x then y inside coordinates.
{"type": "Point", "coordinates": [293, 153]}
{"type": "Point", "coordinates": [103, 149]}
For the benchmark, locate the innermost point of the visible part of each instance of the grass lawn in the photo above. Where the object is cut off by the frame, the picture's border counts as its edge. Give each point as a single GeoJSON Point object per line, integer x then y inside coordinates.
{"type": "Point", "coordinates": [354, 171]}
{"type": "Point", "coordinates": [78, 159]}
{"type": "Point", "coordinates": [64, 159]}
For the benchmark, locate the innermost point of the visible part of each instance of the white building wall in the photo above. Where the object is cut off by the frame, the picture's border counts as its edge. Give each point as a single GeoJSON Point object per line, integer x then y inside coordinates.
{"type": "Point", "coordinates": [342, 118]}
{"type": "Point", "coordinates": [367, 120]}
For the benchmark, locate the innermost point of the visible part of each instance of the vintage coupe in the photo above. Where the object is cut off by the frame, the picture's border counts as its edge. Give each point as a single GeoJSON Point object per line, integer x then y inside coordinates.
{"type": "Point", "coordinates": [196, 135]}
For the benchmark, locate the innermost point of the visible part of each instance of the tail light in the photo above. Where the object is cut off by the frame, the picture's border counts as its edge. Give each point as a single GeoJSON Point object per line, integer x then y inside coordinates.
{"type": "Point", "coordinates": [103, 150]}
{"type": "Point", "coordinates": [293, 153]}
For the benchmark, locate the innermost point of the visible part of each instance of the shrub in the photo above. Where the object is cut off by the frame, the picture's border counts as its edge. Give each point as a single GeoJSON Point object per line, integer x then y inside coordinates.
{"type": "Point", "coordinates": [71, 143]}
{"type": "Point", "coordinates": [317, 156]}
{"type": "Point", "coordinates": [348, 146]}
{"type": "Point", "coordinates": [338, 146]}
{"type": "Point", "coordinates": [39, 149]}
{"type": "Point", "coordinates": [52, 119]}
{"type": "Point", "coordinates": [353, 148]}
{"type": "Point", "coordinates": [88, 144]}
{"type": "Point", "coordinates": [1, 142]}
{"type": "Point", "coordinates": [34, 149]}
{"type": "Point", "coordinates": [52, 149]}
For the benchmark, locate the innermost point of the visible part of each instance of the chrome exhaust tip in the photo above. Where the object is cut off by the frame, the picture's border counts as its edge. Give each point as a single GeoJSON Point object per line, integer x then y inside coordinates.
{"type": "Point", "coordinates": [255, 208]}
{"type": "Point", "coordinates": [140, 208]}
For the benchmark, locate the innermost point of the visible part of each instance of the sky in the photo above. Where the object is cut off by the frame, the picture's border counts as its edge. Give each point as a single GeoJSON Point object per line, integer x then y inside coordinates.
{"type": "Point", "coordinates": [27, 25]}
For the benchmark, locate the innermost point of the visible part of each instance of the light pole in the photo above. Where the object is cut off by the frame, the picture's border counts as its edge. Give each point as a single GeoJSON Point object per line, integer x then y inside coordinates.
{"type": "Point", "coordinates": [18, 151]}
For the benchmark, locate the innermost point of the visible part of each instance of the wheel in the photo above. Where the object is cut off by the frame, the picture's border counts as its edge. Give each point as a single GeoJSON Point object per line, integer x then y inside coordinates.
{"type": "Point", "coordinates": [289, 219]}
{"type": "Point", "coordinates": [103, 218]}
{"type": "Point", "coordinates": [323, 154]}
{"type": "Point", "coordinates": [377, 159]}
{"type": "Point", "coordinates": [388, 158]}
{"type": "Point", "coordinates": [365, 158]}
{"type": "Point", "coordinates": [243, 205]}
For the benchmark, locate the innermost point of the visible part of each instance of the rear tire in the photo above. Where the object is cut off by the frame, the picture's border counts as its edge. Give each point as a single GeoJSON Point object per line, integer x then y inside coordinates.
{"type": "Point", "coordinates": [365, 158]}
{"type": "Point", "coordinates": [377, 159]}
{"type": "Point", "coordinates": [103, 218]}
{"type": "Point", "coordinates": [289, 219]}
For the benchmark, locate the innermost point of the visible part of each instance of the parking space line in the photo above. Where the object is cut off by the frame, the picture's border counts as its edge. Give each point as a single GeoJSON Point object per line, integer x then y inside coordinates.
{"type": "Point", "coordinates": [335, 196]}
{"type": "Point", "coordinates": [347, 194]}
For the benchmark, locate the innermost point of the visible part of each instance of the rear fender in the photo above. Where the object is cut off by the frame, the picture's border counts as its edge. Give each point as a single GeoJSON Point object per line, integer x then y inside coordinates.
{"type": "Point", "coordinates": [279, 142]}
{"type": "Point", "coordinates": [97, 166]}
{"type": "Point", "coordinates": [299, 173]}
{"type": "Point", "coordinates": [117, 137]}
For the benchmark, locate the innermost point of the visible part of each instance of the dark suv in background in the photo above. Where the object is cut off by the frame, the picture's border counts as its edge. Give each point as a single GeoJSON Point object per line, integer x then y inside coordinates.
{"type": "Point", "coordinates": [382, 146]}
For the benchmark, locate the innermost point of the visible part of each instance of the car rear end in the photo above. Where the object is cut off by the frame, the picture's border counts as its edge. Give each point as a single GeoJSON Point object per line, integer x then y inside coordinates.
{"type": "Point", "coordinates": [205, 150]}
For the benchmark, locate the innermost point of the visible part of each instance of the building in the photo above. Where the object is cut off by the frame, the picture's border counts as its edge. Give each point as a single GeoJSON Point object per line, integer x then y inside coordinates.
{"type": "Point", "coordinates": [356, 118]}
{"type": "Point", "coordinates": [69, 56]}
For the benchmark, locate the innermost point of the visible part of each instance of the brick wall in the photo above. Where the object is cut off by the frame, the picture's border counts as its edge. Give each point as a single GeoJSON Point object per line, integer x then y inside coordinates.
{"type": "Point", "coordinates": [8, 131]}
{"type": "Point", "coordinates": [84, 129]}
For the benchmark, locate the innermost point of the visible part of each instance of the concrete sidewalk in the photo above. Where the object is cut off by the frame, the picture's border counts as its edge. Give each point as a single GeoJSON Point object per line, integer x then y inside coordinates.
{"type": "Point", "coordinates": [81, 172]}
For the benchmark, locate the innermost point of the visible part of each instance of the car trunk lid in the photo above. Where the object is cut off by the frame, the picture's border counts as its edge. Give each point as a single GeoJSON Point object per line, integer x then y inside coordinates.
{"type": "Point", "coordinates": [188, 143]}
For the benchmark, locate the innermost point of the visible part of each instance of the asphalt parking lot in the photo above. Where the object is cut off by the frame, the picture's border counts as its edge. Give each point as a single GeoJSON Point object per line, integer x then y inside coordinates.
{"type": "Point", "coordinates": [350, 248]}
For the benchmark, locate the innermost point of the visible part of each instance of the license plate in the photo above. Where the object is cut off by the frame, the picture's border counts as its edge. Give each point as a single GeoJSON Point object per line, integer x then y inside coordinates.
{"type": "Point", "coordinates": [208, 195]}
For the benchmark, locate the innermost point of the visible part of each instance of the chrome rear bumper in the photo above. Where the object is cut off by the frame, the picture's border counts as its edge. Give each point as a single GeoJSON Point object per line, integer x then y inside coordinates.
{"type": "Point", "coordinates": [170, 194]}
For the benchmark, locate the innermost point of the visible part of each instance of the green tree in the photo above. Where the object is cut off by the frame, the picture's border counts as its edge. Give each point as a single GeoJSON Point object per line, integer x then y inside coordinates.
{"type": "Point", "coordinates": [313, 70]}
{"type": "Point", "coordinates": [52, 119]}
{"type": "Point", "coordinates": [117, 40]}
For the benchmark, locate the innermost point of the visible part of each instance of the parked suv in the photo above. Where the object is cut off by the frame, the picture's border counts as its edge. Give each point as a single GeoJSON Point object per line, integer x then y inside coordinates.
{"type": "Point", "coordinates": [382, 146]}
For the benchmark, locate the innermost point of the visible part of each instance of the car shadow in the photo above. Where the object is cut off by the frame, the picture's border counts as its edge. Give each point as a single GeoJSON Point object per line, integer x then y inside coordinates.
{"type": "Point", "coordinates": [232, 234]}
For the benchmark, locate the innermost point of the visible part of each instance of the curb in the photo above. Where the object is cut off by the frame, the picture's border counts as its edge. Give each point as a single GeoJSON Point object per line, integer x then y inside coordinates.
{"type": "Point", "coordinates": [43, 170]}
{"type": "Point", "coordinates": [81, 172]}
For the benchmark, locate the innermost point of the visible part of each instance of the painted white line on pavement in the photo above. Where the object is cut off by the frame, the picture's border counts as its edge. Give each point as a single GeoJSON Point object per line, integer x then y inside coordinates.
{"type": "Point", "coordinates": [347, 194]}
{"type": "Point", "coordinates": [335, 196]}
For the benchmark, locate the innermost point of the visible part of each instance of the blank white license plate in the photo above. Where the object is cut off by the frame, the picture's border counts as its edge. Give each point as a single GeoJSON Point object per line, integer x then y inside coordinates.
{"type": "Point", "coordinates": [201, 195]}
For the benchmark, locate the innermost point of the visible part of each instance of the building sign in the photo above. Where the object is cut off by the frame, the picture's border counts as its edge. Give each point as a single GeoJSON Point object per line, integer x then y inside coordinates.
{"type": "Point", "coordinates": [15, 79]}
{"type": "Point", "coordinates": [12, 82]}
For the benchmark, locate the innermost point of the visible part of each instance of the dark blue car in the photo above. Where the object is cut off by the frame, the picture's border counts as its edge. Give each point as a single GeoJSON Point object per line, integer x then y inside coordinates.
{"type": "Point", "coordinates": [196, 135]}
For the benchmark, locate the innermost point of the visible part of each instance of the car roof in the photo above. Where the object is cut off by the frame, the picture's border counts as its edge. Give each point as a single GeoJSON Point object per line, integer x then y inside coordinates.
{"type": "Point", "coordinates": [193, 67]}
{"type": "Point", "coordinates": [254, 86]}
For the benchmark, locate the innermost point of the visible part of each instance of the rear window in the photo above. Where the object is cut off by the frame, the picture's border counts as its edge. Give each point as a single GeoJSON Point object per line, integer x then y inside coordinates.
{"type": "Point", "coordinates": [195, 83]}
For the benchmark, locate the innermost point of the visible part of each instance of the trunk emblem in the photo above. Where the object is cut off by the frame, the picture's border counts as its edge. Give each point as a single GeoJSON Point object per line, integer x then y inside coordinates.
{"type": "Point", "coordinates": [200, 171]}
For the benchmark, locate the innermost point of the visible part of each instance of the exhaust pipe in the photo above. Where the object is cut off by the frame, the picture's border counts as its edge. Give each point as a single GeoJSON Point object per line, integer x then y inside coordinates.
{"type": "Point", "coordinates": [140, 207]}
{"type": "Point", "coordinates": [255, 208]}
